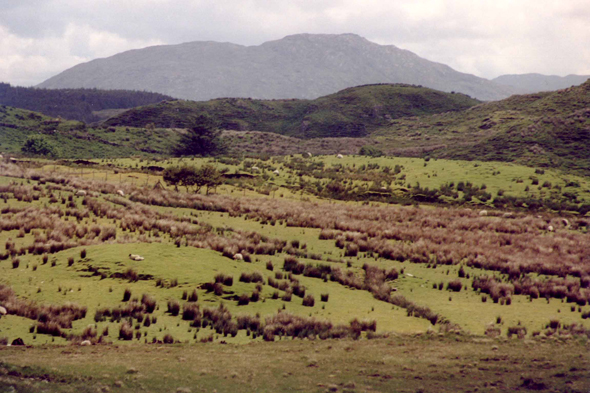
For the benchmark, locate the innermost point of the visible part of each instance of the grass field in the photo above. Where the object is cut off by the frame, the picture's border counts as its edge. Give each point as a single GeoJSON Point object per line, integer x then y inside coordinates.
{"type": "Point", "coordinates": [380, 276]}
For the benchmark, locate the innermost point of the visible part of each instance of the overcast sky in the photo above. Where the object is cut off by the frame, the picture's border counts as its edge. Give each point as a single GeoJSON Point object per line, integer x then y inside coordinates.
{"type": "Point", "coordinates": [488, 38]}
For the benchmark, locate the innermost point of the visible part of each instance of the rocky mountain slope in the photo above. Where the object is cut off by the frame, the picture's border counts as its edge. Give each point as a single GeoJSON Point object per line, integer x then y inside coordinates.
{"type": "Point", "coordinates": [298, 66]}
{"type": "Point", "coordinates": [532, 83]}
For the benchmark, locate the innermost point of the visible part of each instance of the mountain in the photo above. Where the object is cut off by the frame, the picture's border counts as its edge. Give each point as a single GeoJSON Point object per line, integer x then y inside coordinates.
{"type": "Point", "coordinates": [353, 112]}
{"type": "Point", "coordinates": [304, 66]}
{"type": "Point", "coordinates": [532, 83]}
{"type": "Point", "coordinates": [549, 129]}
{"type": "Point", "coordinates": [84, 105]}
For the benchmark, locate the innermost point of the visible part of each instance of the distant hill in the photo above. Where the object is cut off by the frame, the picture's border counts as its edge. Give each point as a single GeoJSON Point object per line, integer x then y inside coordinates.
{"type": "Point", "coordinates": [532, 83]}
{"type": "Point", "coordinates": [75, 104]}
{"type": "Point", "coordinates": [304, 66]}
{"type": "Point", "coordinates": [73, 139]}
{"type": "Point", "coordinates": [550, 129]}
{"type": "Point", "coordinates": [353, 112]}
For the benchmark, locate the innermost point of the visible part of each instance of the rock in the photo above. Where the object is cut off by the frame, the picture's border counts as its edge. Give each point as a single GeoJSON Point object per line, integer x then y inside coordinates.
{"type": "Point", "coordinates": [18, 341]}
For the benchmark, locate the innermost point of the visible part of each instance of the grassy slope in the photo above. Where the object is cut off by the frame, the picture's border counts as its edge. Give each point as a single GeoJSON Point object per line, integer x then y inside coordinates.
{"type": "Point", "coordinates": [546, 129]}
{"type": "Point", "coordinates": [351, 112]}
{"type": "Point", "coordinates": [75, 140]}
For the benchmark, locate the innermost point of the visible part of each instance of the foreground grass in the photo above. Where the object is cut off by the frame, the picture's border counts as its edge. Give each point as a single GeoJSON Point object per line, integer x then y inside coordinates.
{"type": "Point", "coordinates": [401, 364]}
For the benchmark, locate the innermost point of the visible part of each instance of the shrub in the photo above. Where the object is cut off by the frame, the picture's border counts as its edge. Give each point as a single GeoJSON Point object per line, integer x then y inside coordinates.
{"type": "Point", "coordinates": [173, 307]}
{"type": "Point", "coordinates": [308, 301]}
{"type": "Point", "coordinates": [324, 297]}
{"type": "Point", "coordinates": [70, 261]}
{"type": "Point", "coordinates": [194, 296]}
{"type": "Point", "coordinates": [126, 295]}
{"type": "Point", "coordinates": [455, 285]}
{"type": "Point", "coordinates": [255, 296]}
{"type": "Point", "coordinates": [125, 331]}
{"type": "Point", "coordinates": [168, 339]}
{"type": "Point", "coordinates": [243, 300]}
{"type": "Point", "coordinates": [15, 263]}
{"type": "Point", "coordinates": [149, 302]}
{"type": "Point", "coordinates": [83, 254]}
{"type": "Point", "coordinates": [269, 266]}
{"type": "Point", "coordinates": [190, 312]}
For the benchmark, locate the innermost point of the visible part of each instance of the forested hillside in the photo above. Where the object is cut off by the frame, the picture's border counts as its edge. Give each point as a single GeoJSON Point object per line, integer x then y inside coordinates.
{"type": "Point", "coordinates": [74, 104]}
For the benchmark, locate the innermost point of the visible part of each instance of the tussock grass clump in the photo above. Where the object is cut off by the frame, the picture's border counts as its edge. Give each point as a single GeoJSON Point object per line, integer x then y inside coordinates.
{"type": "Point", "coordinates": [269, 266]}
{"type": "Point", "coordinates": [243, 300]}
{"type": "Point", "coordinates": [308, 301]}
{"type": "Point", "coordinates": [15, 263]}
{"type": "Point", "coordinates": [324, 297]}
{"type": "Point", "coordinates": [455, 285]}
{"type": "Point", "coordinates": [125, 332]}
{"type": "Point", "coordinates": [149, 302]}
{"type": "Point", "coordinates": [173, 307]}
{"type": "Point", "coordinates": [519, 331]}
{"type": "Point", "coordinates": [191, 312]}
{"type": "Point", "coordinates": [193, 296]}
{"type": "Point", "coordinates": [168, 339]}
{"type": "Point", "coordinates": [70, 261]}
{"type": "Point", "coordinates": [224, 279]}
{"type": "Point", "coordinates": [126, 295]}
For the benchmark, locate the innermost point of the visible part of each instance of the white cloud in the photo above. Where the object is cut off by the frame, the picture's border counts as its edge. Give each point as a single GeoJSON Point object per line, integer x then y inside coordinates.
{"type": "Point", "coordinates": [39, 38]}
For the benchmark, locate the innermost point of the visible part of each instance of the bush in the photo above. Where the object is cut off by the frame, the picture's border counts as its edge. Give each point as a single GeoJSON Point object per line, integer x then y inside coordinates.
{"type": "Point", "coordinates": [149, 302]}
{"type": "Point", "coordinates": [83, 254]}
{"type": "Point", "coordinates": [168, 339]}
{"type": "Point", "coordinates": [125, 332]}
{"type": "Point", "coordinates": [194, 296]}
{"type": "Point", "coordinates": [324, 297]}
{"type": "Point", "coordinates": [243, 300]}
{"type": "Point", "coordinates": [173, 307]}
{"type": "Point", "coordinates": [269, 266]}
{"type": "Point", "coordinates": [308, 301]}
{"type": "Point", "coordinates": [70, 261]}
{"type": "Point", "coordinates": [455, 285]}
{"type": "Point", "coordinates": [126, 295]}
{"type": "Point", "coordinates": [15, 263]}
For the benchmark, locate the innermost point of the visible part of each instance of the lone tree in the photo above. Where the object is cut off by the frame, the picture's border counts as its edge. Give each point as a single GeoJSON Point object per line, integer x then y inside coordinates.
{"type": "Point", "coordinates": [202, 139]}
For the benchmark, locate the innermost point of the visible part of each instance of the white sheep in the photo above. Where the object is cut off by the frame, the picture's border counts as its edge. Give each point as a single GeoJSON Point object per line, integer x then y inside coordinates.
{"type": "Point", "coordinates": [3, 311]}
{"type": "Point", "coordinates": [255, 169]}
{"type": "Point", "coordinates": [339, 156]}
{"type": "Point", "coordinates": [81, 193]}
{"type": "Point", "coordinates": [483, 213]}
{"type": "Point", "coordinates": [550, 228]}
{"type": "Point", "coordinates": [85, 343]}
{"type": "Point", "coordinates": [276, 172]}
{"type": "Point", "coordinates": [238, 257]}
{"type": "Point", "coordinates": [135, 257]}
{"type": "Point", "coordinates": [120, 192]}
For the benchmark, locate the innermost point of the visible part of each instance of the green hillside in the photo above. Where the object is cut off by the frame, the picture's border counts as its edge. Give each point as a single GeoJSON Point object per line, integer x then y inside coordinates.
{"type": "Point", "coordinates": [546, 129]}
{"type": "Point", "coordinates": [73, 139]}
{"type": "Point", "coordinates": [353, 112]}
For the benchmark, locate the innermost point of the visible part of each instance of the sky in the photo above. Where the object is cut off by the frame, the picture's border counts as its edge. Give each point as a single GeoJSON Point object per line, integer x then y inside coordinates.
{"type": "Point", "coordinates": [487, 38]}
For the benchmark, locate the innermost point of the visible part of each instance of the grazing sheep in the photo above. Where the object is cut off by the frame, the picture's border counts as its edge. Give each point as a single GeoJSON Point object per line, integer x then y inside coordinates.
{"type": "Point", "coordinates": [276, 172]}
{"type": "Point", "coordinates": [339, 156]}
{"type": "Point", "coordinates": [238, 257]}
{"type": "Point", "coordinates": [135, 257]}
{"type": "Point", "coordinates": [565, 222]}
{"type": "Point", "coordinates": [508, 215]}
{"type": "Point", "coordinates": [120, 192]}
{"type": "Point", "coordinates": [483, 213]}
{"type": "Point", "coordinates": [85, 343]}
{"type": "Point", "coordinates": [81, 193]}
{"type": "Point", "coordinates": [550, 228]}
{"type": "Point", "coordinates": [2, 311]}
{"type": "Point", "coordinates": [255, 169]}
{"type": "Point", "coordinates": [308, 155]}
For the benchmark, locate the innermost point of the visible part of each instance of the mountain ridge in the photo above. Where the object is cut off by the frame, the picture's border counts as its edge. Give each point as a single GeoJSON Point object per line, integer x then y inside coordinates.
{"type": "Point", "coordinates": [304, 66]}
